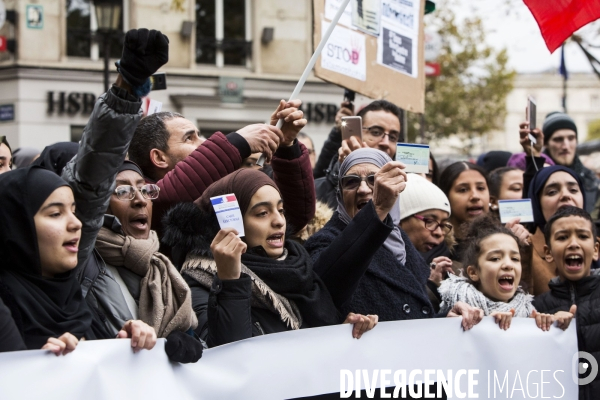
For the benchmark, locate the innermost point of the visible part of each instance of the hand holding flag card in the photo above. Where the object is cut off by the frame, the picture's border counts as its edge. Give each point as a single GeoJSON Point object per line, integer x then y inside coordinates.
{"type": "Point", "coordinates": [510, 209]}
{"type": "Point", "coordinates": [414, 156]}
{"type": "Point", "coordinates": [228, 212]}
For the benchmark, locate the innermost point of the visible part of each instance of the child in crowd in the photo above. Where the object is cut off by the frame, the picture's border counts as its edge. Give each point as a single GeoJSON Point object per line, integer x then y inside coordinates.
{"type": "Point", "coordinates": [571, 245]}
{"type": "Point", "coordinates": [492, 268]}
{"type": "Point", "coordinates": [467, 187]}
{"type": "Point", "coordinates": [506, 183]}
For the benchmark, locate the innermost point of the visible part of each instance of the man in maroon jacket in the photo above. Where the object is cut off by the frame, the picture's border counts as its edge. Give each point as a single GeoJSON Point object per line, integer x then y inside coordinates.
{"type": "Point", "coordinates": [167, 148]}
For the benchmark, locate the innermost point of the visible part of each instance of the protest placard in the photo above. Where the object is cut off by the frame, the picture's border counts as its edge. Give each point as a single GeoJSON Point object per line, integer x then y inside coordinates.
{"type": "Point", "coordinates": [393, 61]}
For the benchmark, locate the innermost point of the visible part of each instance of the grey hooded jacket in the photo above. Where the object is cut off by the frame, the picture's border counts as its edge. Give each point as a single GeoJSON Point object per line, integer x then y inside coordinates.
{"type": "Point", "coordinates": [92, 176]}
{"type": "Point", "coordinates": [92, 172]}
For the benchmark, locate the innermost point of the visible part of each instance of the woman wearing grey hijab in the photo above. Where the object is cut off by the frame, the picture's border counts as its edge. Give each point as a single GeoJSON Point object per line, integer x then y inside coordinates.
{"type": "Point", "coordinates": [366, 261]}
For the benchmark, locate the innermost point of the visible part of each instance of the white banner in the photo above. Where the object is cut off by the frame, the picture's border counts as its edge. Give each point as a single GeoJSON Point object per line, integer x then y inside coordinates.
{"type": "Point", "coordinates": [486, 362]}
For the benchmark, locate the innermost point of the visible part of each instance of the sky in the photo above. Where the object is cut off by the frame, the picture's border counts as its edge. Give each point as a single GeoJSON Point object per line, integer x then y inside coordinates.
{"type": "Point", "coordinates": [511, 25]}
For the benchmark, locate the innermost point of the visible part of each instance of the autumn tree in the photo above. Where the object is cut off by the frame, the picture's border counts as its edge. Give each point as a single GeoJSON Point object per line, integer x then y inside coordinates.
{"type": "Point", "coordinates": [468, 98]}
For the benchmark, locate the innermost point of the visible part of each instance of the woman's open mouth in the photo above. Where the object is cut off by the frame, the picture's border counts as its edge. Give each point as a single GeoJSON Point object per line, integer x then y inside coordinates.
{"type": "Point", "coordinates": [506, 282]}
{"type": "Point", "coordinates": [139, 222]}
{"type": "Point", "coordinates": [276, 240]}
{"type": "Point", "coordinates": [72, 245]}
{"type": "Point", "coordinates": [474, 211]}
{"type": "Point", "coordinates": [361, 204]}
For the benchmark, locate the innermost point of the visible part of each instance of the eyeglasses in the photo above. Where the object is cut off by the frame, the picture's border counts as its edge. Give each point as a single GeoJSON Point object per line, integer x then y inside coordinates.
{"type": "Point", "coordinates": [432, 224]}
{"type": "Point", "coordinates": [127, 192]}
{"type": "Point", "coordinates": [351, 182]}
{"type": "Point", "coordinates": [379, 132]}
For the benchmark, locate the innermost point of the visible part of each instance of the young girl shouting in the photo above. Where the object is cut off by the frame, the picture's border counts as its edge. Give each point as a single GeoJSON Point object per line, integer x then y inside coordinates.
{"type": "Point", "coordinates": [492, 269]}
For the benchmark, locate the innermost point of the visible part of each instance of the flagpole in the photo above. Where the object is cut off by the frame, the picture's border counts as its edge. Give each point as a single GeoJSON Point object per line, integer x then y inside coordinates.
{"type": "Point", "coordinates": [563, 72]}
{"type": "Point", "coordinates": [311, 64]}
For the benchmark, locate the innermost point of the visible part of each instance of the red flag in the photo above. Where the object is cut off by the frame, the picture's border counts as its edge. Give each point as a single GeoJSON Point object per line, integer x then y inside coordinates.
{"type": "Point", "coordinates": [558, 19]}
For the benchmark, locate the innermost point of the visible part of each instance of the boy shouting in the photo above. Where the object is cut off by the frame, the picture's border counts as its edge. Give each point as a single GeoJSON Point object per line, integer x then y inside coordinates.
{"type": "Point", "coordinates": [572, 245]}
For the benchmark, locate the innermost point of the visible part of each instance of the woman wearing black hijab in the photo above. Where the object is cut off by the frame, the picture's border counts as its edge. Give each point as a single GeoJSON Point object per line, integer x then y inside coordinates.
{"type": "Point", "coordinates": [38, 250]}
{"type": "Point", "coordinates": [550, 189]}
{"type": "Point", "coordinates": [37, 256]}
{"type": "Point", "coordinates": [56, 156]}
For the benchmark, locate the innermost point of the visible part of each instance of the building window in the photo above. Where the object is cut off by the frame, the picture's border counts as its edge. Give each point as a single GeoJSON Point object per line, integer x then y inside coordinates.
{"type": "Point", "coordinates": [78, 28]}
{"type": "Point", "coordinates": [80, 24]}
{"type": "Point", "coordinates": [223, 32]}
{"type": "Point", "coordinates": [594, 102]}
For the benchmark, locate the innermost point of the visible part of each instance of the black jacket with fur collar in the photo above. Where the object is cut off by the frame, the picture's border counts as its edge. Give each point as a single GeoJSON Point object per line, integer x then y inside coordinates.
{"type": "Point", "coordinates": [230, 310]}
{"type": "Point", "coordinates": [585, 294]}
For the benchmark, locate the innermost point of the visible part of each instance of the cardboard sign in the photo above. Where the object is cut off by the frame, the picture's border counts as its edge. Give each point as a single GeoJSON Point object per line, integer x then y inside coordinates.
{"type": "Point", "coordinates": [394, 61]}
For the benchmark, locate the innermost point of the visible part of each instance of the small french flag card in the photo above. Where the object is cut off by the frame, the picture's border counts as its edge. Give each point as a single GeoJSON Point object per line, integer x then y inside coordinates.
{"type": "Point", "coordinates": [228, 212]}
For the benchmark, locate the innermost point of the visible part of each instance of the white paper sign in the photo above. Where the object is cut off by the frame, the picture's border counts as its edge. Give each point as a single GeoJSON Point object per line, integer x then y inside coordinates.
{"type": "Point", "coordinates": [366, 16]}
{"type": "Point", "coordinates": [510, 209]}
{"type": "Point", "coordinates": [228, 212]}
{"type": "Point", "coordinates": [154, 107]}
{"type": "Point", "coordinates": [397, 51]}
{"type": "Point", "coordinates": [332, 7]}
{"type": "Point", "coordinates": [398, 44]}
{"type": "Point", "coordinates": [485, 362]}
{"type": "Point", "coordinates": [345, 52]}
{"type": "Point", "coordinates": [414, 156]}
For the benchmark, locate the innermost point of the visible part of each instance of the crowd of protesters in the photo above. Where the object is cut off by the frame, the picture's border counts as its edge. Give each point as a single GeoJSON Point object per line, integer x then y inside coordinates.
{"type": "Point", "coordinates": [116, 237]}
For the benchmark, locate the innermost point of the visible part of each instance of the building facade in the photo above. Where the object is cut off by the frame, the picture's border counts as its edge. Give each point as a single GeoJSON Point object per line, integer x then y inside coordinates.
{"type": "Point", "coordinates": [583, 105]}
{"type": "Point", "coordinates": [230, 62]}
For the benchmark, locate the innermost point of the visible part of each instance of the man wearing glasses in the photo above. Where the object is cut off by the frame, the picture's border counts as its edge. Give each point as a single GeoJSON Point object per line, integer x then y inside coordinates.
{"type": "Point", "coordinates": [424, 215]}
{"type": "Point", "coordinates": [382, 129]}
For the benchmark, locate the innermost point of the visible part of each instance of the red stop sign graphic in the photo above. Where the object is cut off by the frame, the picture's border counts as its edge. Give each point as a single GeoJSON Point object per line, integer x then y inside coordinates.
{"type": "Point", "coordinates": [2, 43]}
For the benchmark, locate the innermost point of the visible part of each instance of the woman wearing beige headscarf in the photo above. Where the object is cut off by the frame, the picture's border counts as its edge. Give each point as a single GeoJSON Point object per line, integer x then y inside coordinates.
{"type": "Point", "coordinates": [139, 282]}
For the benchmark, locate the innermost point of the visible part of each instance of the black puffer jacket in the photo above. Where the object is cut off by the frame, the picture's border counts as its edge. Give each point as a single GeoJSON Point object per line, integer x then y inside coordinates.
{"type": "Point", "coordinates": [364, 277]}
{"type": "Point", "coordinates": [584, 293]}
{"type": "Point", "coordinates": [227, 309]}
{"type": "Point", "coordinates": [326, 187]}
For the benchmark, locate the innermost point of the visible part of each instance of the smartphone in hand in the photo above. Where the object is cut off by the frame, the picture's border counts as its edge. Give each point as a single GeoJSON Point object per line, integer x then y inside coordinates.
{"type": "Point", "coordinates": [352, 126]}
{"type": "Point", "coordinates": [531, 117]}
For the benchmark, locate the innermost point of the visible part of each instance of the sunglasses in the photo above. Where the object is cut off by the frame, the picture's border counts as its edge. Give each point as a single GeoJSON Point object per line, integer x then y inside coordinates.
{"type": "Point", "coordinates": [351, 182]}
{"type": "Point", "coordinates": [127, 192]}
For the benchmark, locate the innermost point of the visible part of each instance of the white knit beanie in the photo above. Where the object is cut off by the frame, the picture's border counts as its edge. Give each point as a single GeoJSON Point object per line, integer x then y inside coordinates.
{"type": "Point", "coordinates": [420, 195]}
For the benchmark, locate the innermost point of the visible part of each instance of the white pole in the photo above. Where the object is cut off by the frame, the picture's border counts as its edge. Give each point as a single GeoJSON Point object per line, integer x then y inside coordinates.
{"type": "Point", "coordinates": [311, 64]}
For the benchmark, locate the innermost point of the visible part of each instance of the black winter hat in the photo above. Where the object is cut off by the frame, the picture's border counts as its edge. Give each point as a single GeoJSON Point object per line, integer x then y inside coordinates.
{"type": "Point", "coordinates": [555, 121]}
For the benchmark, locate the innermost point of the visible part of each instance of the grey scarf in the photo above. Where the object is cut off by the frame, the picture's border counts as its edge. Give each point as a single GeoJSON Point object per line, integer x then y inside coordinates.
{"type": "Point", "coordinates": [458, 288]}
{"type": "Point", "coordinates": [394, 242]}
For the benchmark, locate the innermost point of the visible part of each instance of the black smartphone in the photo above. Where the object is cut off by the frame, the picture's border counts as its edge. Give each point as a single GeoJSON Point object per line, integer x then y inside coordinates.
{"type": "Point", "coordinates": [531, 117]}
{"type": "Point", "coordinates": [159, 81]}
{"type": "Point", "coordinates": [349, 95]}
